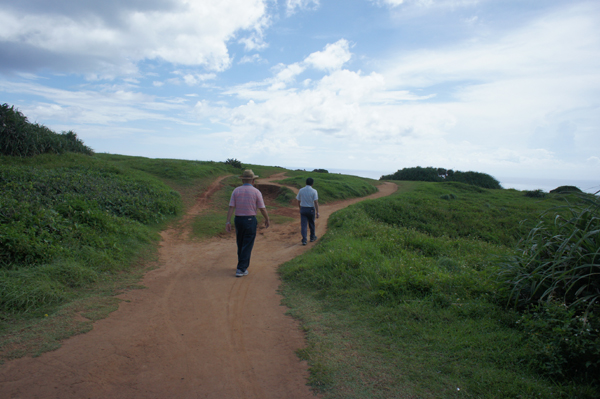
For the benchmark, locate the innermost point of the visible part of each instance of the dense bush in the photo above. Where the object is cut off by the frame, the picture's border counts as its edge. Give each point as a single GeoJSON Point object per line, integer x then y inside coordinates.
{"type": "Point", "coordinates": [475, 178]}
{"type": "Point", "coordinates": [415, 174]}
{"type": "Point", "coordinates": [19, 137]}
{"type": "Point", "coordinates": [440, 174]}
{"type": "Point", "coordinates": [555, 279]}
{"type": "Point", "coordinates": [321, 171]}
{"type": "Point", "coordinates": [566, 190]}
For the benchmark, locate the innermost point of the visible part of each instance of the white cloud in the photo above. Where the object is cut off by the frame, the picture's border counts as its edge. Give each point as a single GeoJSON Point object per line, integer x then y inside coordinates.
{"type": "Point", "coordinates": [503, 90]}
{"type": "Point", "coordinates": [250, 59]}
{"type": "Point", "coordinates": [552, 45]}
{"type": "Point", "coordinates": [427, 3]}
{"type": "Point", "coordinates": [293, 5]}
{"type": "Point", "coordinates": [287, 73]}
{"type": "Point", "coordinates": [194, 79]}
{"type": "Point", "coordinates": [343, 104]}
{"type": "Point", "coordinates": [177, 31]}
{"type": "Point", "coordinates": [99, 107]}
{"type": "Point", "coordinates": [333, 57]}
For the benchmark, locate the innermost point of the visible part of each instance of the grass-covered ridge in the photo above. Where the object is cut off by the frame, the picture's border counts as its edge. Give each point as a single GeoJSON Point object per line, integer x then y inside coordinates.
{"type": "Point", "coordinates": [332, 187]}
{"type": "Point", "coordinates": [402, 298]}
{"type": "Point", "coordinates": [67, 220]}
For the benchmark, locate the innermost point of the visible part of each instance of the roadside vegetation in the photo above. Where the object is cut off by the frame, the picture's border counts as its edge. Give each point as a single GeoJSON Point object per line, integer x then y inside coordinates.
{"type": "Point", "coordinates": [448, 290]}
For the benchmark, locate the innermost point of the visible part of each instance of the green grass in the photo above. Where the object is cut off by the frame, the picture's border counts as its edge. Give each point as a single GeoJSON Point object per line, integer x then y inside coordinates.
{"type": "Point", "coordinates": [496, 216]}
{"type": "Point", "coordinates": [209, 224]}
{"type": "Point", "coordinates": [401, 299]}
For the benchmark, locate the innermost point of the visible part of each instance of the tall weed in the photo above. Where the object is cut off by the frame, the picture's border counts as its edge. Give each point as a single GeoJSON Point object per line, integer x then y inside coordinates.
{"type": "Point", "coordinates": [554, 277]}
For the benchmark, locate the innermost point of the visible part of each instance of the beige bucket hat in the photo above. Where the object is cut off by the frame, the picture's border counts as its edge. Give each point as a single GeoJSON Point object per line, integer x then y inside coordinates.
{"type": "Point", "coordinates": [248, 175]}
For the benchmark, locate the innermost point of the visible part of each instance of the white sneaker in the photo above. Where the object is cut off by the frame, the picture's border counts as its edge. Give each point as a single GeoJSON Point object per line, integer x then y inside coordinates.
{"type": "Point", "coordinates": [240, 273]}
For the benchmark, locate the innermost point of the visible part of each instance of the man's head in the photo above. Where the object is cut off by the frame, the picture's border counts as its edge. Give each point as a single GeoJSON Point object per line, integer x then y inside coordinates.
{"type": "Point", "coordinates": [309, 181]}
{"type": "Point", "coordinates": [248, 176]}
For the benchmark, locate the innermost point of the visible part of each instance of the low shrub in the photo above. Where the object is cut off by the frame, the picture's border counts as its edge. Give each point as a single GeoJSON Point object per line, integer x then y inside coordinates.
{"type": "Point", "coordinates": [535, 193]}
{"type": "Point", "coordinates": [563, 343]}
{"type": "Point", "coordinates": [234, 162]}
{"type": "Point", "coordinates": [448, 196]}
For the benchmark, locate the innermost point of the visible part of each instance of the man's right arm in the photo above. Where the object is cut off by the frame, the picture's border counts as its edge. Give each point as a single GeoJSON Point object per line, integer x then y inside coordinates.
{"type": "Point", "coordinates": [228, 222]}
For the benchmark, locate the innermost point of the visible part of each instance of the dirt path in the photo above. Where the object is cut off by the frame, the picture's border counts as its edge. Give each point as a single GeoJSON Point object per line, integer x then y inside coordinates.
{"type": "Point", "coordinates": [196, 332]}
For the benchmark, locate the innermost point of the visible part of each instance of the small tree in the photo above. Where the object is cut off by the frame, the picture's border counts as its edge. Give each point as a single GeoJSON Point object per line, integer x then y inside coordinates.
{"type": "Point", "coordinates": [234, 162]}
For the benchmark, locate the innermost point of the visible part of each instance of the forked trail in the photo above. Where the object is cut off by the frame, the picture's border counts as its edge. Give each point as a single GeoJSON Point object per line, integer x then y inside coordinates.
{"type": "Point", "coordinates": [195, 332]}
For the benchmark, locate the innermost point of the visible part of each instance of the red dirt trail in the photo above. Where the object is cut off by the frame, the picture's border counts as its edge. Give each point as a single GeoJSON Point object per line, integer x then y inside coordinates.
{"type": "Point", "coordinates": [197, 331]}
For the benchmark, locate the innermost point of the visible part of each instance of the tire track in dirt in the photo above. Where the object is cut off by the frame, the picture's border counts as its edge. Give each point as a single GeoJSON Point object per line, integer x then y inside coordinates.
{"type": "Point", "coordinates": [195, 332]}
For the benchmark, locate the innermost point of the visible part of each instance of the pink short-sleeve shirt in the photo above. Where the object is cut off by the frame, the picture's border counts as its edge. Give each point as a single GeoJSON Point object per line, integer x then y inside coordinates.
{"type": "Point", "coordinates": [246, 199]}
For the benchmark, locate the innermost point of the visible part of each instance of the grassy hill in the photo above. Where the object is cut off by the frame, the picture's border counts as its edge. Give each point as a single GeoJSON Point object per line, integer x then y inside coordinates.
{"type": "Point", "coordinates": [411, 296]}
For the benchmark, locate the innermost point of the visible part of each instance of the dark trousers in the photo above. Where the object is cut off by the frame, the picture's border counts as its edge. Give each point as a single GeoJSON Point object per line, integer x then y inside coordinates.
{"type": "Point", "coordinates": [307, 217]}
{"type": "Point", "coordinates": [245, 233]}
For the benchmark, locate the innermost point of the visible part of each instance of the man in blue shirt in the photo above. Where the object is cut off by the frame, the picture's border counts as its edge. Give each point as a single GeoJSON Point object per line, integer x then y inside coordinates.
{"type": "Point", "coordinates": [309, 207]}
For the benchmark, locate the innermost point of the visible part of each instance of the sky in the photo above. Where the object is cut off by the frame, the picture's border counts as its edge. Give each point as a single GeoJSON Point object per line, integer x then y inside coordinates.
{"type": "Point", "coordinates": [505, 87]}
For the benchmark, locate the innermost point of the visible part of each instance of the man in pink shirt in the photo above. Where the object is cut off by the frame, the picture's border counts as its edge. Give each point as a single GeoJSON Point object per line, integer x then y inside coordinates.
{"type": "Point", "coordinates": [245, 200]}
